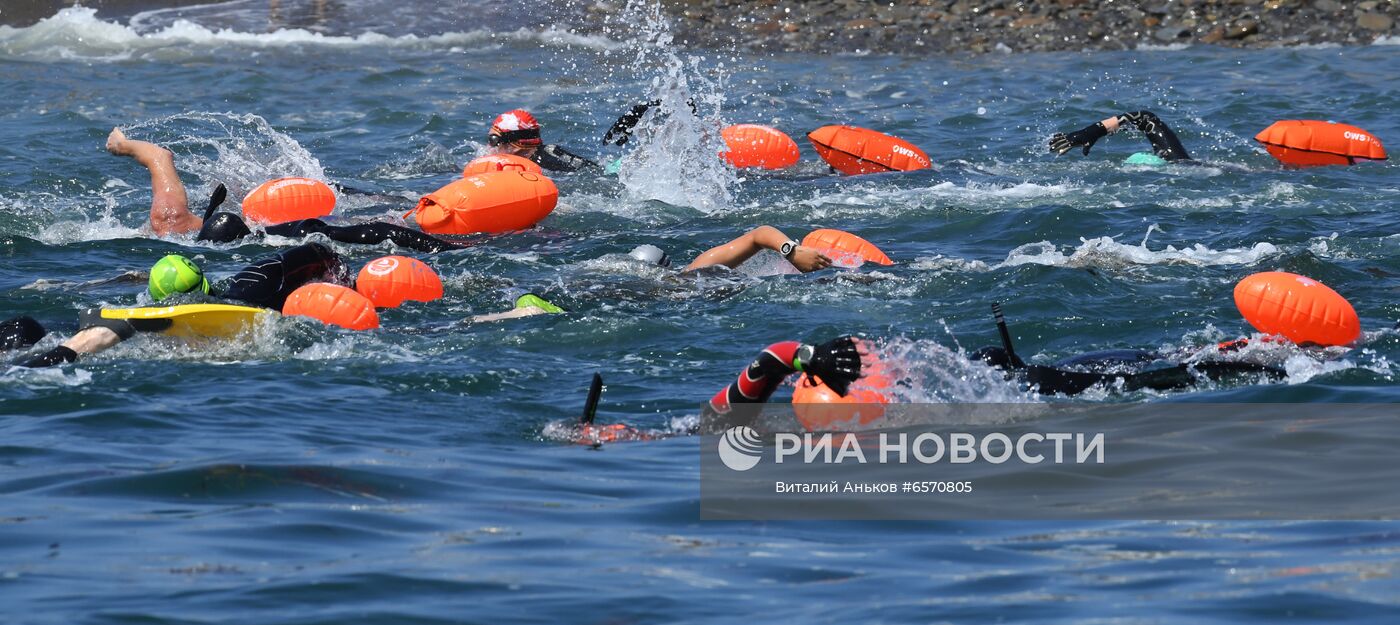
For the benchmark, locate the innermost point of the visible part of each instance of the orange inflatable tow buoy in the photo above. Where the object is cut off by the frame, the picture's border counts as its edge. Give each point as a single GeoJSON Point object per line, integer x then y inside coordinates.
{"type": "Point", "coordinates": [819, 408]}
{"type": "Point", "coordinates": [500, 162]}
{"type": "Point", "coordinates": [1300, 309]}
{"type": "Point", "coordinates": [492, 202]}
{"type": "Point", "coordinates": [752, 145]}
{"type": "Point", "coordinates": [844, 248]}
{"type": "Point", "coordinates": [332, 304]}
{"type": "Point", "coordinates": [288, 199]}
{"type": "Point", "coordinates": [852, 151]}
{"type": "Point", "coordinates": [390, 280]}
{"type": "Point", "coordinates": [1310, 143]}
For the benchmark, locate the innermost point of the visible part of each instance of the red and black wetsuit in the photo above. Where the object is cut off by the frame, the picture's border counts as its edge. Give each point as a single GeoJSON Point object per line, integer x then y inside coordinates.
{"type": "Point", "coordinates": [755, 384]}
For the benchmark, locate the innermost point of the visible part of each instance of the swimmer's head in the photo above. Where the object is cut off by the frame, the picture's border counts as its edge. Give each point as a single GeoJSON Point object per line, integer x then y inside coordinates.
{"type": "Point", "coordinates": [175, 274]}
{"type": "Point", "coordinates": [651, 255]}
{"type": "Point", "coordinates": [1146, 159]}
{"type": "Point", "coordinates": [515, 131]}
{"type": "Point", "coordinates": [222, 228]}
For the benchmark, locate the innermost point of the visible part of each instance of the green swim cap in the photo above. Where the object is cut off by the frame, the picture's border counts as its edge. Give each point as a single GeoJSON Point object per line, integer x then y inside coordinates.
{"type": "Point", "coordinates": [175, 274]}
{"type": "Point", "coordinates": [1145, 158]}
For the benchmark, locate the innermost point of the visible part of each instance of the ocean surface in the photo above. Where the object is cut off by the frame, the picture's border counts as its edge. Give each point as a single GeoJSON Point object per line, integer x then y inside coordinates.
{"type": "Point", "coordinates": [414, 474]}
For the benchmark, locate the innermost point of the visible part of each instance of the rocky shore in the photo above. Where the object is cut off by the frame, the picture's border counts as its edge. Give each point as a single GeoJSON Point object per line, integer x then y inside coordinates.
{"type": "Point", "coordinates": [980, 26]}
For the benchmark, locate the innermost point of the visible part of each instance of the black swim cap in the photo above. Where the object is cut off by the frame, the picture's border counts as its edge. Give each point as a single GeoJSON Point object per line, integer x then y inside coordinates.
{"type": "Point", "coordinates": [223, 228]}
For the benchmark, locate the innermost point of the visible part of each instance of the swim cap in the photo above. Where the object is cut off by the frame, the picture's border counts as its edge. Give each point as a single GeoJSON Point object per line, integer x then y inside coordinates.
{"type": "Point", "coordinates": [1145, 158]}
{"type": "Point", "coordinates": [517, 126]}
{"type": "Point", "coordinates": [175, 274]}
{"type": "Point", "coordinates": [651, 255]}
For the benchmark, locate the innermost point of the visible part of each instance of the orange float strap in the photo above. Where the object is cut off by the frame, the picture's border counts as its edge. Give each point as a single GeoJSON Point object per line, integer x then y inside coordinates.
{"type": "Point", "coordinates": [500, 162]}
{"type": "Point", "coordinates": [1312, 143]}
{"type": "Point", "coordinates": [764, 147]}
{"type": "Point", "coordinates": [332, 304]}
{"type": "Point", "coordinates": [492, 203]}
{"type": "Point", "coordinates": [390, 280]}
{"type": "Point", "coordinates": [288, 199]}
{"type": "Point", "coordinates": [1297, 308]}
{"type": "Point", "coordinates": [853, 151]}
{"type": "Point", "coordinates": [844, 248]}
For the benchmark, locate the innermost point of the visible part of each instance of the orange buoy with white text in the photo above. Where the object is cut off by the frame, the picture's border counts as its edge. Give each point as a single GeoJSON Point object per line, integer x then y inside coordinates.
{"type": "Point", "coordinates": [845, 249]}
{"type": "Point", "coordinates": [332, 304]}
{"type": "Point", "coordinates": [818, 407]}
{"type": "Point", "coordinates": [752, 145]}
{"type": "Point", "coordinates": [389, 280]}
{"type": "Point", "coordinates": [288, 199]}
{"type": "Point", "coordinates": [853, 151]}
{"type": "Point", "coordinates": [493, 202]}
{"type": "Point", "coordinates": [501, 162]}
{"type": "Point", "coordinates": [1312, 143]}
{"type": "Point", "coordinates": [1298, 308]}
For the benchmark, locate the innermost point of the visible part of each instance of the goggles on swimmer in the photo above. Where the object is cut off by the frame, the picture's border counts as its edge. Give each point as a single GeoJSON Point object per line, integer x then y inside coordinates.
{"type": "Point", "coordinates": [526, 136]}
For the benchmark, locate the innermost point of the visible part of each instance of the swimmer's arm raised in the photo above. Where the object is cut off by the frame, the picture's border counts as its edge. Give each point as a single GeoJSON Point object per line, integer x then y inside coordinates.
{"type": "Point", "coordinates": [736, 252]}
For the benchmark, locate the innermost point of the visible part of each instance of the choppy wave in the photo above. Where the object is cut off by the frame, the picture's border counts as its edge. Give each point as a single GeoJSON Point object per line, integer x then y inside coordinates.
{"type": "Point", "coordinates": [77, 33]}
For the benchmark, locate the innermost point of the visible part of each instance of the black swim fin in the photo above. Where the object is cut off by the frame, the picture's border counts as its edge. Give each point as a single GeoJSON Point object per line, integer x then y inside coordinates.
{"type": "Point", "coordinates": [590, 407]}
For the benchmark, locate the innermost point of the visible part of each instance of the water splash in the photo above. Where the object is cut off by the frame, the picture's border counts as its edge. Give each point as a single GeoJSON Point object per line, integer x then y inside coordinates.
{"type": "Point", "coordinates": [676, 145]}
{"type": "Point", "coordinates": [241, 151]}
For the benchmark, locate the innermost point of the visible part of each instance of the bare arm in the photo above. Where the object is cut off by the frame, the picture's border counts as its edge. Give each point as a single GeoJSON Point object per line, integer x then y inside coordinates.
{"type": "Point", "coordinates": [734, 253]}
{"type": "Point", "coordinates": [170, 213]}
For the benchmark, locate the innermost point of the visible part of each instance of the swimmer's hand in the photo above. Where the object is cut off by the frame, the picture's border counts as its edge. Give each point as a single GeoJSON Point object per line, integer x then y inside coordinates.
{"type": "Point", "coordinates": [807, 259]}
{"type": "Point", "coordinates": [1086, 136]}
{"type": "Point", "coordinates": [836, 362]}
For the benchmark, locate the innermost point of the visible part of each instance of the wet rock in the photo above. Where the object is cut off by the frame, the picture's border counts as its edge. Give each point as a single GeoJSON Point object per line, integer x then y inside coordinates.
{"type": "Point", "coordinates": [1375, 21]}
{"type": "Point", "coordinates": [1172, 33]}
{"type": "Point", "coordinates": [1328, 6]}
{"type": "Point", "coordinates": [1242, 29]}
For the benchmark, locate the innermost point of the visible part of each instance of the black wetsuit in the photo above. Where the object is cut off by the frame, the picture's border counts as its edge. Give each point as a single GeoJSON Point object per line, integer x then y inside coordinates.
{"type": "Point", "coordinates": [1134, 369]}
{"type": "Point", "coordinates": [555, 158]}
{"type": "Point", "coordinates": [226, 227]}
{"type": "Point", "coordinates": [265, 283]}
{"type": "Point", "coordinates": [1163, 140]}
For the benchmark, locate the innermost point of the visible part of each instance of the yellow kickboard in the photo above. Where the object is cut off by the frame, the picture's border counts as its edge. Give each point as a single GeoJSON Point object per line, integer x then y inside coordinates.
{"type": "Point", "coordinates": [190, 320]}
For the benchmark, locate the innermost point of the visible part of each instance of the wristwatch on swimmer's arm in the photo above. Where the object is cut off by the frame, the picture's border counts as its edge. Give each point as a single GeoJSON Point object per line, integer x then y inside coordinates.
{"type": "Point", "coordinates": [788, 247]}
{"type": "Point", "coordinates": [804, 355]}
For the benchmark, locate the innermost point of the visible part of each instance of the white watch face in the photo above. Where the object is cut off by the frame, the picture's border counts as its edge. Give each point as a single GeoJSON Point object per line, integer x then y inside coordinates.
{"type": "Point", "coordinates": [788, 248]}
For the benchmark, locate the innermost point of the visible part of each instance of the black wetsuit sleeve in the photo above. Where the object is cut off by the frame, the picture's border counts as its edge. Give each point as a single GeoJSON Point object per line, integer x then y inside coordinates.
{"type": "Point", "coordinates": [555, 158]}
{"type": "Point", "coordinates": [1164, 142]}
{"type": "Point", "coordinates": [268, 282]}
{"type": "Point", "coordinates": [372, 233]}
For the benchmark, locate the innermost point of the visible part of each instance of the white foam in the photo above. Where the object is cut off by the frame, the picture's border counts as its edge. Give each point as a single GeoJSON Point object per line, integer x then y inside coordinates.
{"type": "Point", "coordinates": [1163, 47]}
{"type": "Point", "coordinates": [77, 33]}
{"type": "Point", "coordinates": [1104, 252]}
{"type": "Point", "coordinates": [672, 157]}
{"type": "Point", "coordinates": [1387, 40]}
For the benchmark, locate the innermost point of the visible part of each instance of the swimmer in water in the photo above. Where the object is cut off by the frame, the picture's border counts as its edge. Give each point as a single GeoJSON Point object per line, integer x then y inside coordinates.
{"type": "Point", "coordinates": [1166, 147]}
{"type": "Point", "coordinates": [264, 284]}
{"type": "Point", "coordinates": [170, 213]}
{"type": "Point", "coordinates": [517, 132]}
{"type": "Point", "coordinates": [1133, 369]}
{"type": "Point", "coordinates": [837, 362]}
{"type": "Point", "coordinates": [735, 252]}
